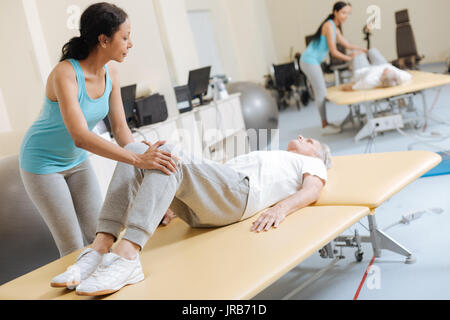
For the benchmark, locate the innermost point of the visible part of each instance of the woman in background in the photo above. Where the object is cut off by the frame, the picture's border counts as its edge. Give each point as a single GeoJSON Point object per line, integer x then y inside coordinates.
{"type": "Point", "coordinates": [323, 42]}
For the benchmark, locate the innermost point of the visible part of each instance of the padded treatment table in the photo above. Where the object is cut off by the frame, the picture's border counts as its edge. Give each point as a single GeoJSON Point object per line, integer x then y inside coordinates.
{"type": "Point", "coordinates": [368, 98]}
{"type": "Point", "coordinates": [234, 263]}
{"type": "Point", "coordinates": [223, 263]}
{"type": "Point", "coordinates": [420, 81]}
{"type": "Point", "coordinates": [371, 179]}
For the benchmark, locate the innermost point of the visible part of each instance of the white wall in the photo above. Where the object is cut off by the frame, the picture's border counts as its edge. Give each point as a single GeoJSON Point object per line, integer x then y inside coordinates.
{"type": "Point", "coordinates": [292, 20]}
{"type": "Point", "coordinates": [205, 40]}
{"type": "Point", "coordinates": [245, 40]}
{"type": "Point", "coordinates": [177, 38]}
{"type": "Point", "coordinates": [37, 38]}
{"type": "Point", "coordinates": [20, 79]}
{"type": "Point", "coordinates": [5, 125]}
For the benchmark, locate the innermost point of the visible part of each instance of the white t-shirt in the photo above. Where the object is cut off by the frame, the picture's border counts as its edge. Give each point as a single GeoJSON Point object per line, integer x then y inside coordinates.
{"type": "Point", "coordinates": [369, 77]}
{"type": "Point", "coordinates": [274, 176]}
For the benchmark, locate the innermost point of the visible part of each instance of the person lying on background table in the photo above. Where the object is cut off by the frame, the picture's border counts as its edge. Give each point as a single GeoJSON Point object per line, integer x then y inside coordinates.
{"type": "Point", "coordinates": [377, 74]}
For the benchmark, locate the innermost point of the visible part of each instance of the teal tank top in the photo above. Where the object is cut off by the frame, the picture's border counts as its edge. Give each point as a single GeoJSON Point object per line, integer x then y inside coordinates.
{"type": "Point", "coordinates": [317, 50]}
{"type": "Point", "coordinates": [47, 146]}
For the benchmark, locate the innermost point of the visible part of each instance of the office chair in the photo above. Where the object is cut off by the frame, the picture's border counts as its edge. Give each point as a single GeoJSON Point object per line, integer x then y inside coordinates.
{"type": "Point", "coordinates": [408, 58]}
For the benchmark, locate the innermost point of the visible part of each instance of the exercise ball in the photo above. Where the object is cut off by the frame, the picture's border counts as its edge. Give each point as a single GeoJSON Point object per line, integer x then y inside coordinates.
{"type": "Point", "coordinates": [25, 240]}
{"type": "Point", "coordinates": [259, 109]}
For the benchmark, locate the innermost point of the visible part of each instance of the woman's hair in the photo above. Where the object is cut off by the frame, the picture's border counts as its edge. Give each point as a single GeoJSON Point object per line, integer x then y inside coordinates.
{"type": "Point", "coordinates": [99, 18]}
{"type": "Point", "coordinates": [337, 7]}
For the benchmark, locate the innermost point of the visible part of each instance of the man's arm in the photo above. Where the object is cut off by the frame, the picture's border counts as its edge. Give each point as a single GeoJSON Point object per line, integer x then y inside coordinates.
{"type": "Point", "coordinates": [308, 194]}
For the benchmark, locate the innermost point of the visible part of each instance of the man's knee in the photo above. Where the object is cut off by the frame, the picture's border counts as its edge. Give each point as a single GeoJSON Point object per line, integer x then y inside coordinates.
{"type": "Point", "coordinates": [141, 148]}
{"type": "Point", "coordinates": [137, 147]}
{"type": "Point", "coordinates": [167, 147]}
{"type": "Point", "coordinates": [375, 55]}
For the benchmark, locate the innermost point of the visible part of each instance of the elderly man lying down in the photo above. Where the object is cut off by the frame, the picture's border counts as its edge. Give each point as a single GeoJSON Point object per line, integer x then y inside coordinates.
{"type": "Point", "coordinates": [203, 193]}
{"type": "Point", "coordinates": [379, 74]}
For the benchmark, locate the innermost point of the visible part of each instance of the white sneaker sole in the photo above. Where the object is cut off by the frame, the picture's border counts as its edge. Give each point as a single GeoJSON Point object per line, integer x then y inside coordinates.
{"type": "Point", "coordinates": [64, 284]}
{"type": "Point", "coordinates": [140, 277]}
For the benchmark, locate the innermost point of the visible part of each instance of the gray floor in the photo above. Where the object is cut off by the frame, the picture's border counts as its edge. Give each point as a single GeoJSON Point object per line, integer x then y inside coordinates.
{"type": "Point", "coordinates": [427, 237]}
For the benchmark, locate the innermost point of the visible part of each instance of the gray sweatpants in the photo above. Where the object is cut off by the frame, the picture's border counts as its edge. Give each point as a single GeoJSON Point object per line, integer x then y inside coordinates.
{"type": "Point", "coordinates": [362, 60]}
{"type": "Point", "coordinates": [315, 76]}
{"type": "Point", "coordinates": [203, 194]}
{"type": "Point", "coordinates": [69, 202]}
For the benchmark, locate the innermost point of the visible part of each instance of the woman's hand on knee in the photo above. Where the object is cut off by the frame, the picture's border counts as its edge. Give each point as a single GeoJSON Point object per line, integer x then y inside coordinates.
{"type": "Point", "coordinates": [156, 159]}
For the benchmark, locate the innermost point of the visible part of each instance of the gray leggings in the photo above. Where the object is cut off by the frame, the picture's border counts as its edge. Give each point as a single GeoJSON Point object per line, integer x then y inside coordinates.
{"type": "Point", "coordinates": [315, 77]}
{"type": "Point", "coordinates": [69, 202]}
{"type": "Point", "coordinates": [203, 194]}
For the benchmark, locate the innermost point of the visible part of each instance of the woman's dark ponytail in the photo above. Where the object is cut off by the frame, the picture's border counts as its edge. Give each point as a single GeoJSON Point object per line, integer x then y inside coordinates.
{"type": "Point", "coordinates": [76, 48]}
{"type": "Point", "coordinates": [99, 18]}
{"type": "Point", "coordinates": [337, 7]}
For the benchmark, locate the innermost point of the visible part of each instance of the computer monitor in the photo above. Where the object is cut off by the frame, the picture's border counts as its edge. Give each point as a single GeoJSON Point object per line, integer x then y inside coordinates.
{"type": "Point", "coordinates": [198, 83]}
{"type": "Point", "coordinates": [129, 99]}
{"type": "Point", "coordinates": [129, 105]}
{"type": "Point", "coordinates": [184, 97]}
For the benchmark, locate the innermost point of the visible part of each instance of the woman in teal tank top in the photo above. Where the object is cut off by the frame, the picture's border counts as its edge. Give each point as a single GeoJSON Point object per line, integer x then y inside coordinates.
{"type": "Point", "coordinates": [323, 42]}
{"type": "Point", "coordinates": [81, 91]}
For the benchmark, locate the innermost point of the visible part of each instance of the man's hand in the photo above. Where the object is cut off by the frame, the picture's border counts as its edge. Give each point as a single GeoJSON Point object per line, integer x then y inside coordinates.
{"type": "Point", "coordinates": [167, 218]}
{"type": "Point", "coordinates": [347, 87]}
{"type": "Point", "coordinates": [270, 218]}
{"type": "Point", "coordinates": [308, 194]}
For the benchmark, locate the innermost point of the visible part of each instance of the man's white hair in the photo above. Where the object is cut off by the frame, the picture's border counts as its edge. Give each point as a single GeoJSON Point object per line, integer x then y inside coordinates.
{"type": "Point", "coordinates": [389, 79]}
{"type": "Point", "coordinates": [324, 154]}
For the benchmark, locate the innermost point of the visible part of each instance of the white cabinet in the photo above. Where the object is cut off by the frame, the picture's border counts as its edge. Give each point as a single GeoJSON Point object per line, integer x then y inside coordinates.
{"type": "Point", "coordinates": [190, 133]}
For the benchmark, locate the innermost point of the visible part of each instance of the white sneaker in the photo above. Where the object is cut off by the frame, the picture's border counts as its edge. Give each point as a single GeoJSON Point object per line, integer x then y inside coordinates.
{"type": "Point", "coordinates": [329, 130]}
{"type": "Point", "coordinates": [85, 264]}
{"type": "Point", "coordinates": [337, 124]}
{"type": "Point", "coordinates": [111, 275]}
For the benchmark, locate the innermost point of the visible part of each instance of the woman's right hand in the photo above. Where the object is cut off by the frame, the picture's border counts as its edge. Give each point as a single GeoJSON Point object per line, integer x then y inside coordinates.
{"type": "Point", "coordinates": [356, 53]}
{"type": "Point", "coordinates": [155, 159]}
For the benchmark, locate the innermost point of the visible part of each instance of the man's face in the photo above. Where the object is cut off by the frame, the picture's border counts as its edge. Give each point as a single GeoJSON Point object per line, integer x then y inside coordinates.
{"type": "Point", "coordinates": [304, 146]}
